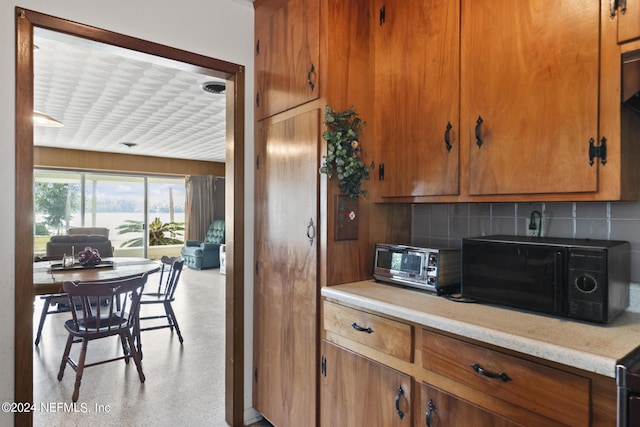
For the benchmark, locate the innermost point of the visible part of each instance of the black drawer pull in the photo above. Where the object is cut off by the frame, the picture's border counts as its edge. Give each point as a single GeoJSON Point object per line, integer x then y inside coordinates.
{"type": "Point", "coordinates": [503, 376]}
{"type": "Point", "coordinates": [361, 329]}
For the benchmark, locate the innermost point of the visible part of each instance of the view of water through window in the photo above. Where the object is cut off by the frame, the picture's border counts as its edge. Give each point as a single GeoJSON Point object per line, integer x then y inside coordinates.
{"type": "Point", "coordinates": [125, 204]}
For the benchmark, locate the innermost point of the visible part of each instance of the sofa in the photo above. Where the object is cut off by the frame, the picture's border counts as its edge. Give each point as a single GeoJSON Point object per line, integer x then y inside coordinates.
{"type": "Point", "coordinates": [102, 231]}
{"type": "Point", "coordinates": [200, 255]}
{"type": "Point", "coordinates": [60, 245]}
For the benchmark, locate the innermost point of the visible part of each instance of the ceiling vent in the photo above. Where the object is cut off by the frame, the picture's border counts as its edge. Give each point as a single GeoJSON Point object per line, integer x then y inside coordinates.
{"type": "Point", "coordinates": [217, 88]}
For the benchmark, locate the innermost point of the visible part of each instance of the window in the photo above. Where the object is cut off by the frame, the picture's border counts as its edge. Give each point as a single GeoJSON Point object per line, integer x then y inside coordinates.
{"type": "Point", "coordinates": [125, 204]}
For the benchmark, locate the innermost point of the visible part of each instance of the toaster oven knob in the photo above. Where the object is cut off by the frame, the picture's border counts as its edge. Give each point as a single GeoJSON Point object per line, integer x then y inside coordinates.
{"type": "Point", "coordinates": [586, 283]}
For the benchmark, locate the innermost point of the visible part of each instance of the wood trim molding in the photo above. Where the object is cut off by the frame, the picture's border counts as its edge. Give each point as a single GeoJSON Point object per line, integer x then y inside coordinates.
{"type": "Point", "coordinates": [234, 173]}
{"type": "Point", "coordinates": [49, 157]}
{"type": "Point", "coordinates": [24, 293]}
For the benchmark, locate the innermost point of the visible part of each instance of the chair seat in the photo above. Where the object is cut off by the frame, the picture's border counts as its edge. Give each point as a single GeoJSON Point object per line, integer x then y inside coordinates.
{"type": "Point", "coordinates": [155, 298]}
{"type": "Point", "coordinates": [152, 295]}
{"type": "Point", "coordinates": [90, 325]}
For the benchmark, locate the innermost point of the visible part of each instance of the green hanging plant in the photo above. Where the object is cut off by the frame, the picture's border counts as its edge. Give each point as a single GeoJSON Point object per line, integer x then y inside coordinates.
{"type": "Point", "coordinates": [344, 151]}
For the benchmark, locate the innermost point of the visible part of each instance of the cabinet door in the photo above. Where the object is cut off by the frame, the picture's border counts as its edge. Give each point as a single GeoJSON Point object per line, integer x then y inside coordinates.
{"type": "Point", "coordinates": [356, 391]}
{"type": "Point", "coordinates": [416, 96]}
{"type": "Point", "coordinates": [629, 21]}
{"type": "Point", "coordinates": [287, 52]}
{"type": "Point", "coordinates": [529, 70]}
{"type": "Point", "coordinates": [441, 409]}
{"type": "Point", "coordinates": [285, 287]}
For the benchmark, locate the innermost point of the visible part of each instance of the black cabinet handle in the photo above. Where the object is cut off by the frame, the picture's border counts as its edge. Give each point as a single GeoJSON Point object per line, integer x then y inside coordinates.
{"type": "Point", "coordinates": [309, 81]}
{"type": "Point", "coordinates": [503, 376]}
{"type": "Point", "coordinates": [447, 137]}
{"type": "Point", "coordinates": [361, 329]}
{"type": "Point", "coordinates": [398, 395]}
{"type": "Point", "coordinates": [311, 231]}
{"type": "Point", "coordinates": [478, 131]}
{"type": "Point", "coordinates": [431, 407]}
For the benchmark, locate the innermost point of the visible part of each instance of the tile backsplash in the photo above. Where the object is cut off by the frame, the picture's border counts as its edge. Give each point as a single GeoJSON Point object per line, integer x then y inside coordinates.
{"type": "Point", "coordinates": [447, 224]}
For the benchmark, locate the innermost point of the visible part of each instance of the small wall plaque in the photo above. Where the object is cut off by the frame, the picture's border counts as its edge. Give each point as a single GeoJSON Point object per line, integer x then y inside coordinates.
{"type": "Point", "coordinates": [347, 218]}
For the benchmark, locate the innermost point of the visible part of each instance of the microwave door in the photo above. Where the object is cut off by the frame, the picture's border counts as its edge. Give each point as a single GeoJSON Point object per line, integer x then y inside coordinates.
{"type": "Point", "coordinates": [522, 276]}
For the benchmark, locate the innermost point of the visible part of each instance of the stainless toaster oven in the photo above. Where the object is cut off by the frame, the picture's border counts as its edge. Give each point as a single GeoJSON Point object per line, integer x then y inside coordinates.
{"type": "Point", "coordinates": [433, 269]}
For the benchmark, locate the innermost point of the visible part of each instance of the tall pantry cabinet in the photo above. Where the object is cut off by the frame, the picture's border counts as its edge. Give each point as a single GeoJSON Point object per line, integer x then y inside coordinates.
{"type": "Point", "coordinates": [308, 54]}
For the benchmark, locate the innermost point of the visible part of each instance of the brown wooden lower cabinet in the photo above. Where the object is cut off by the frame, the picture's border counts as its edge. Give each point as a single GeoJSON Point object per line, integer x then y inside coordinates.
{"type": "Point", "coordinates": [356, 391]}
{"type": "Point", "coordinates": [439, 409]}
{"type": "Point", "coordinates": [448, 381]}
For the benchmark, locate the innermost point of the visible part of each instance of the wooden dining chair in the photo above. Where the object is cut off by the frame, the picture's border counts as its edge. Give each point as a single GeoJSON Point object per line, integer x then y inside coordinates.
{"type": "Point", "coordinates": [95, 321]}
{"type": "Point", "coordinates": [165, 295]}
{"type": "Point", "coordinates": [51, 304]}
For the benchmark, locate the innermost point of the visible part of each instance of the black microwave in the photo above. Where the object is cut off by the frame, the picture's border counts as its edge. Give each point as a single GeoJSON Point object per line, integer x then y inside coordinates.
{"type": "Point", "coordinates": [576, 278]}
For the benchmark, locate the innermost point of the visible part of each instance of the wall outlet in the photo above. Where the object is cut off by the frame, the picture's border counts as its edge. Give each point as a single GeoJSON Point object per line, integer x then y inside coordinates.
{"type": "Point", "coordinates": [537, 226]}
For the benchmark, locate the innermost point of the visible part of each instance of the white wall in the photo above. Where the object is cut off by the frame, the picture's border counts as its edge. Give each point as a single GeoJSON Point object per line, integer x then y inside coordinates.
{"type": "Point", "coordinates": [221, 29]}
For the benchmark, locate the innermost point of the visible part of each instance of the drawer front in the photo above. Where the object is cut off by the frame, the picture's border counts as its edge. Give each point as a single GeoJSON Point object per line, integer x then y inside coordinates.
{"type": "Point", "coordinates": [389, 336]}
{"type": "Point", "coordinates": [547, 391]}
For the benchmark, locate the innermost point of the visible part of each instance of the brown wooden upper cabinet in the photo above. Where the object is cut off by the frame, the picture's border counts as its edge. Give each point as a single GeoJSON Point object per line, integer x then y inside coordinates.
{"type": "Point", "coordinates": [417, 97]}
{"type": "Point", "coordinates": [482, 100]}
{"type": "Point", "coordinates": [286, 54]}
{"type": "Point", "coordinates": [628, 14]}
{"type": "Point", "coordinates": [529, 95]}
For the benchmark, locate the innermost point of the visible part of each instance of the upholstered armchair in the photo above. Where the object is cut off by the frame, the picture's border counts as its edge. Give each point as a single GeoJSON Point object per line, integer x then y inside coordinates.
{"type": "Point", "coordinates": [200, 255]}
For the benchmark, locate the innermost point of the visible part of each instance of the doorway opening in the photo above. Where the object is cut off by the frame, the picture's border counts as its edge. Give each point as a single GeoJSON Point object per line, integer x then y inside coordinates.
{"type": "Point", "coordinates": [233, 74]}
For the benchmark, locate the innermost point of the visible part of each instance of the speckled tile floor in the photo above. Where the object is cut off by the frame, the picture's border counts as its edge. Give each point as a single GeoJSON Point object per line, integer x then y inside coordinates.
{"type": "Point", "coordinates": [184, 384]}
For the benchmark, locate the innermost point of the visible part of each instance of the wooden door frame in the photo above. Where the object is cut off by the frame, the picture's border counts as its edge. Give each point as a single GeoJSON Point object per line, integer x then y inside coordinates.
{"type": "Point", "coordinates": [234, 183]}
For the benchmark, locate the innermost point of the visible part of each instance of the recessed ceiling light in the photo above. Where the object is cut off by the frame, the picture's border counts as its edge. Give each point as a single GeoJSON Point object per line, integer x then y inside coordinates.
{"type": "Point", "coordinates": [217, 88]}
{"type": "Point", "coordinates": [45, 120]}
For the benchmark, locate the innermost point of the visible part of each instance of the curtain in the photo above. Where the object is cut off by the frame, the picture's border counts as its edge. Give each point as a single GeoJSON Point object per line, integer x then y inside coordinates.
{"type": "Point", "coordinates": [199, 206]}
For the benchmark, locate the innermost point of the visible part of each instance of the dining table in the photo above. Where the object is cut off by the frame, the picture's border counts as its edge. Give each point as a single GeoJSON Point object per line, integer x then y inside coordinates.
{"type": "Point", "coordinates": [48, 276]}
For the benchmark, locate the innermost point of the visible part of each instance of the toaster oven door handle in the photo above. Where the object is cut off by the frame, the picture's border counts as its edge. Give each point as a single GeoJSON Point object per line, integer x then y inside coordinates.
{"type": "Point", "coordinates": [361, 329]}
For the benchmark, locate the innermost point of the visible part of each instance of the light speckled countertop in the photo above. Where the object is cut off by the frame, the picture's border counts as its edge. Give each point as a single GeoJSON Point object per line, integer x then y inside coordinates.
{"type": "Point", "coordinates": [588, 346]}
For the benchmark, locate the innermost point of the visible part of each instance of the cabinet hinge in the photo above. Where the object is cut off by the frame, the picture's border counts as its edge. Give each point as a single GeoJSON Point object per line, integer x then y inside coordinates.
{"type": "Point", "coordinates": [382, 15]}
{"type": "Point", "coordinates": [323, 367]}
{"type": "Point", "coordinates": [599, 151]}
{"type": "Point", "coordinates": [258, 47]}
{"type": "Point", "coordinates": [258, 99]}
{"type": "Point", "coordinates": [257, 271]}
{"type": "Point", "coordinates": [258, 161]}
{"type": "Point", "coordinates": [255, 374]}
{"type": "Point", "coordinates": [381, 172]}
